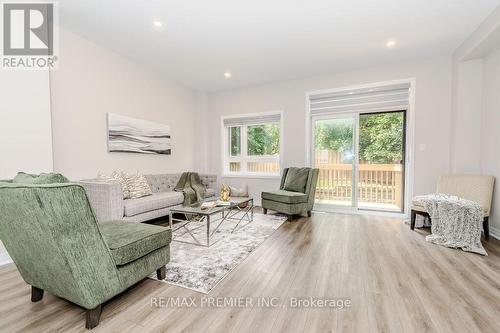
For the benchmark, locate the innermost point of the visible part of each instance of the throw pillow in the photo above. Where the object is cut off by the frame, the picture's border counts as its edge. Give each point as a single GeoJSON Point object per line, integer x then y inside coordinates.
{"type": "Point", "coordinates": [105, 178]}
{"type": "Point", "coordinates": [119, 177]}
{"type": "Point", "coordinates": [238, 192]}
{"type": "Point", "coordinates": [138, 186]}
{"type": "Point", "coordinates": [43, 178]}
{"type": "Point", "coordinates": [296, 179]}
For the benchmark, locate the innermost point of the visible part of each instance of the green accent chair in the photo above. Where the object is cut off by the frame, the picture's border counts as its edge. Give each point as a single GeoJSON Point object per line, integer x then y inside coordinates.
{"type": "Point", "coordinates": [54, 239]}
{"type": "Point", "coordinates": [296, 193]}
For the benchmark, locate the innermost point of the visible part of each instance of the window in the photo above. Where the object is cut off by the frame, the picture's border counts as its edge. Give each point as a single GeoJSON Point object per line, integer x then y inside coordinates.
{"type": "Point", "coordinates": [252, 145]}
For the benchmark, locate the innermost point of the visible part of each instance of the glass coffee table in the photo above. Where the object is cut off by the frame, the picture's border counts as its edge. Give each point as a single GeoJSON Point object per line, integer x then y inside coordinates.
{"type": "Point", "coordinates": [237, 210]}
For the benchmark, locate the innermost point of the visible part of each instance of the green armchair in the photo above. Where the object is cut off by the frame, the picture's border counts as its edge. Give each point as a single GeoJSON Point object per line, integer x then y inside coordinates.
{"type": "Point", "coordinates": [296, 193]}
{"type": "Point", "coordinates": [56, 243]}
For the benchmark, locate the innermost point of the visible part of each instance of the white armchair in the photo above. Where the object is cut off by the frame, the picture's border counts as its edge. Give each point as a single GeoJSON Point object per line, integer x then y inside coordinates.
{"type": "Point", "coordinates": [471, 187]}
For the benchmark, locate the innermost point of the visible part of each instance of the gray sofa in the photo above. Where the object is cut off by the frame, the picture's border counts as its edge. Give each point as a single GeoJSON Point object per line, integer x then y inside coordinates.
{"type": "Point", "coordinates": [106, 198]}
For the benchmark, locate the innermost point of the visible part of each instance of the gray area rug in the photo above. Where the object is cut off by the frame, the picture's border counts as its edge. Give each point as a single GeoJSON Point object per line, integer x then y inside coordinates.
{"type": "Point", "coordinates": [200, 268]}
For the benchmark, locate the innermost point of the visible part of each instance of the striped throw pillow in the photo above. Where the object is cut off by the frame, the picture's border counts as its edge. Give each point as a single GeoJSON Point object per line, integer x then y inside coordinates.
{"type": "Point", "coordinates": [138, 186]}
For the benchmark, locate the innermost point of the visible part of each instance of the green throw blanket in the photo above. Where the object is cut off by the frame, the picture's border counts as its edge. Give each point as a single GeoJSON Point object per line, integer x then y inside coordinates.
{"type": "Point", "coordinates": [190, 184]}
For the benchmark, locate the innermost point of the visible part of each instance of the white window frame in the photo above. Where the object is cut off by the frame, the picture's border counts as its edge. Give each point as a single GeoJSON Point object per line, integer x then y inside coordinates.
{"type": "Point", "coordinates": [243, 159]}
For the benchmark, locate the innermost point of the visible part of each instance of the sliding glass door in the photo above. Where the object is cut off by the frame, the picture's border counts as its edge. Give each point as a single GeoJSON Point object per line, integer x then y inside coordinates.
{"type": "Point", "coordinates": [334, 155]}
{"type": "Point", "coordinates": [381, 161]}
{"type": "Point", "coordinates": [361, 160]}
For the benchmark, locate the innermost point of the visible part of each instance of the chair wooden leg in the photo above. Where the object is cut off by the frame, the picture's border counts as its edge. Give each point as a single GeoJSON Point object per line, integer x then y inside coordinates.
{"type": "Point", "coordinates": [412, 220]}
{"type": "Point", "coordinates": [265, 210]}
{"type": "Point", "coordinates": [92, 317]}
{"type": "Point", "coordinates": [486, 228]}
{"type": "Point", "coordinates": [36, 294]}
{"type": "Point", "coordinates": [161, 273]}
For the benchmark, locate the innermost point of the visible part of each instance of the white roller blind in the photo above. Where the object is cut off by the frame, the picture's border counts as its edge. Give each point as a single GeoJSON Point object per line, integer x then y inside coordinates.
{"type": "Point", "coordinates": [383, 98]}
{"type": "Point", "coordinates": [253, 120]}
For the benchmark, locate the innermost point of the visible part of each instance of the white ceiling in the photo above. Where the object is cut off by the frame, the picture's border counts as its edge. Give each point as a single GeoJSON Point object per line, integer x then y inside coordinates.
{"type": "Point", "coordinates": [262, 41]}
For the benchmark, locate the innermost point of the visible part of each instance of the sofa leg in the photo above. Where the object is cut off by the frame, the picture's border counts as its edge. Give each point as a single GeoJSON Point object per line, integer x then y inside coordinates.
{"type": "Point", "coordinates": [265, 210]}
{"type": "Point", "coordinates": [92, 317]}
{"type": "Point", "coordinates": [289, 218]}
{"type": "Point", "coordinates": [412, 220]}
{"type": "Point", "coordinates": [308, 213]}
{"type": "Point", "coordinates": [36, 294]}
{"type": "Point", "coordinates": [486, 228]}
{"type": "Point", "coordinates": [161, 273]}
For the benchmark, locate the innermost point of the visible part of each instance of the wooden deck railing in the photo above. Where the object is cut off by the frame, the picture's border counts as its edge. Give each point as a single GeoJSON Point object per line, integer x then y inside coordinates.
{"type": "Point", "coordinates": [377, 183]}
{"type": "Point", "coordinates": [256, 167]}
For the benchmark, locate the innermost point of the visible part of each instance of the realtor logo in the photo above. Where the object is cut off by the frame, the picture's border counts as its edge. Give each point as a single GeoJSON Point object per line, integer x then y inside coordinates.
{"type": "Point", "coordinates": [28, 29]}
{"type": "Point", "coordinates": [28, 35]}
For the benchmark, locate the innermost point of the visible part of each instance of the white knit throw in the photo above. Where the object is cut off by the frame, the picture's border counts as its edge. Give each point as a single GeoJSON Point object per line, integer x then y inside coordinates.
{"type": "Point", "coordinates": [456, 222]}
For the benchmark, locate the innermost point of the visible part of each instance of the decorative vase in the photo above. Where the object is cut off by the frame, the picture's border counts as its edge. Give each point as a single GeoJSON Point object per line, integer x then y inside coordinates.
{"type": "Point", "coordinates": [225, 193]}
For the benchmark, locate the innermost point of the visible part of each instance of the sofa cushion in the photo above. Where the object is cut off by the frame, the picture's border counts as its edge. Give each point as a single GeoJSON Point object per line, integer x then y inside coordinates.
{"type": "Point", "coordinates": [288, 197]}
{"type": "Point", "coordinates": [152, 202]}
{"type": "Point", "coordinates": [286, 208]}
{"type": "Point", "coordinates": [131, 241]}
{"type": "Point", "coordinates": [296, 179]}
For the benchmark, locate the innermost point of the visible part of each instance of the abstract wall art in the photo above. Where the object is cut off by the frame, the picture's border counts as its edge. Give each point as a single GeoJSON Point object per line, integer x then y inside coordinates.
{"type": "Point", "coordinates": [132, 135]}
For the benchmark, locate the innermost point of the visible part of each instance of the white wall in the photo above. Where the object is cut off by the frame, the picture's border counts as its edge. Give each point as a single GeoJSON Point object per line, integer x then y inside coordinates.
{"type": "Point", "coordinates": [467, 103]}
{"type": "Point", "coordinates": [25, 127]}
{"type": "Point", "coordinates": [433, 106]}
{"type": "Point", "coordinates": [490, 133]}
{"type": "Point", "coordinates": [201, 150]}
{"type": "Point", "coordinates": [92, 81]}
{"type": "Point", "coordinates": [466, 118]}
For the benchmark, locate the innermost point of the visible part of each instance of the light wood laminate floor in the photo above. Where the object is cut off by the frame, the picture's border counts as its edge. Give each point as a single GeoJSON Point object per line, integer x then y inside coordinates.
{"type": "Point", "coordinates": [396, 281]}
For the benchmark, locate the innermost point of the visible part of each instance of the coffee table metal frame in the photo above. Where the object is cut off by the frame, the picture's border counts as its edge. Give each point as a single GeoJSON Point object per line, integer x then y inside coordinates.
{"type": "Point", "coordinates": [197, 215]}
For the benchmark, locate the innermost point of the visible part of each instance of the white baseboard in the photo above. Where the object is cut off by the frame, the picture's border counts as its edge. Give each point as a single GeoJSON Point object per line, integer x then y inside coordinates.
{"type": "Point", "coordinates": [495, 233]}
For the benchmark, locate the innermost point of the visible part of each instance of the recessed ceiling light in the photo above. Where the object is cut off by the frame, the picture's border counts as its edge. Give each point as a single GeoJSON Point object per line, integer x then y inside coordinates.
{"type": "Point", "coordinates": [227, 75]}
{"type": "Point", "coordinates": [390, 44]}
{"type": "Point", "coordinates": [158, 24]}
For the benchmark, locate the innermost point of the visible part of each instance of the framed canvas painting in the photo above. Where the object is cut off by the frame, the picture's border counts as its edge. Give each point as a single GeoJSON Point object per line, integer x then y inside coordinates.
{"type": "Point", "coordinates": [132, 135]}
